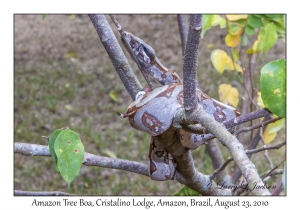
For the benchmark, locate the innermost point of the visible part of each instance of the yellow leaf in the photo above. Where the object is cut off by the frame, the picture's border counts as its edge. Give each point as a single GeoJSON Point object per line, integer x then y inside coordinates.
{"type": "Point", "coordinates": [236, 28]}
{"type": "Point", "coordinates": [269, 137]}
{"type": "Point", "coordinates": [229, 95]}
{"type": "Point", "coordinates": [238, 68]}
{"type": "Point", "coordinates": [216, 20]}
{"type": "Point", "coordinates": [230, 65]}
{"type": "Point", "coordinates": [232, 41]}
{"type": "Point", "coordinates": [236, 17]}
{"type": "Point", "coordinates": [260, 102]}
{"type": "Point", "coordinates": [223, 23]}
{"type": "Point", "coordinates": [219, 59]}
{"type": "Point", "coordinates": [249, 51]}
{"type": "Point", "coordinates": [233, 97]}
{"type": "Point", "coordinates": [233, 66]}
{"type": "Point", "coordinates": [223, 90]}
{"type": "Point", "coordinates": [257, 46]}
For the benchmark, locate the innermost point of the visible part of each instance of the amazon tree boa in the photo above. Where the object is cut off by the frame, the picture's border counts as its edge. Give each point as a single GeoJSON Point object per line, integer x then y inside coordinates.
{"type": "Point", "coordinates": [153, 111]}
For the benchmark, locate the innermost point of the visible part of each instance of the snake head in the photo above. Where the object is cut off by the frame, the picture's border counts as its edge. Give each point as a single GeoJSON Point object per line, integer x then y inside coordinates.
{"type": "Point", "coordinates": [143, 52]}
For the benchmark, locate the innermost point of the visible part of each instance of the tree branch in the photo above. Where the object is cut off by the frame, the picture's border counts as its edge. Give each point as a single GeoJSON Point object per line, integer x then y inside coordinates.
{"type": "Point", "coordinates": [217, 159]}
{"type": "Point", "coordinates": [88, 160]}
{"type": "Point", "coordinates": [263, 176]}
{"type": "Point", "coordinates": [257, 126]}
{"type": "Point", "coordinates": [231, 142]}
{"type": "Point", "coordinates": [116, 55]}
{"type": "Point", "coordinates": [201, 183]}
{"type": "Point", "coordinates": [182, 24]}
{"type": "Point", "coordinates": [221, 168]}
{"type": "Point", "coordinates": [247, 117]}
{"type": "Point", "coordinates": [237, 172]}
{"type": "Point", "coordinates": [273, 173]}
{"type": "Point", "coordinates": [185, 170]}
{"type": "Point", "coordinates": [277, 190]}
{"type": "Point", "coordinates": [190, 63]}
{"type": "Point", "coordinates": [42, 193]}
{"type": "Point", "coordinates": [178, 122]}
{"type": "Point", "coordinates": [264, 148]}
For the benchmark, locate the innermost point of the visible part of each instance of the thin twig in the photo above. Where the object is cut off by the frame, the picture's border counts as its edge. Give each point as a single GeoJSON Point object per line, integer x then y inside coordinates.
{"type": "Point", "coordinates": [264, 148]}
{"type": "Point", "coordinates": [263, 176]}
{"type": "Point", "coordinates": [273, 169]}
{"type": "Point", "coordinates": [273, 173]}
{"type": "Point", "coordinates": [221, 168]}
{"type": "Point", "coordinates": [183, 29]}
{"type": "Point", "coordinates": [253, 144]}
{"type": "Point", "coordinates": [266, 152]}
{"type": "Point", "coordinates": [269, 159]}
{"type": "Point", "coordinates": [41, 193]}
{"type": "Point", "coordinates": [213, 150]}
{"type": "Point", "coordinates": [257, 126]}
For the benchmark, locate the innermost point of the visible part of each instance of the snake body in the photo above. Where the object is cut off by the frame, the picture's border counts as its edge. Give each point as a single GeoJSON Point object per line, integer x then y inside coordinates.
{"type": "Point", "coordinates": [153, 111]}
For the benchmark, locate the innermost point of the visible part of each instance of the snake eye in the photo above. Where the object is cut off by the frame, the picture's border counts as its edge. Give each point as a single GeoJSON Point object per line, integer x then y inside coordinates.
{"type": "Point", "coordinates": [149, 53]}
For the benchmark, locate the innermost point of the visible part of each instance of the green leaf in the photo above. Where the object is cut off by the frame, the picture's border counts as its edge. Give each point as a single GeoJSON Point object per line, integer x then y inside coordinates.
{"type": "Point", "coordinates": [259, 15]}
{"type": "Point", "coordinates": [269, 38]}
{"type": "Point", "coordinates": [276, 126]}
{"type": "Point", "coordinates": [244, 40]}
{"type": "Point", "coordinates": [249, 30]}
{"type": "Point", "coordinates": [70, 153]}
{"type": "Point", "coordinates": [186, 191]}
{"type": "Point", "coordinates": [275, 17]}
{"type": "Point", "coordinates": [280, 28]}
{"type": "Point", "coordinates": [207, 23]}
{"type": "Point", "coordinates": [51, 142]}
{"type": "Point", "coordinates": [255, 22]}
{"type": "Point", "coordinates": [235, 54]}
{"type": "Point", "coordinates": [273, 87]}
{"type": "Point", "coordinates": [113, 95]}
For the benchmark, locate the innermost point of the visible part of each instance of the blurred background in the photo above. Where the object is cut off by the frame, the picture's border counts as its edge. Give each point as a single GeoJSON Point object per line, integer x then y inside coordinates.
{"type": "Point", "coordinates": [63, 77]}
